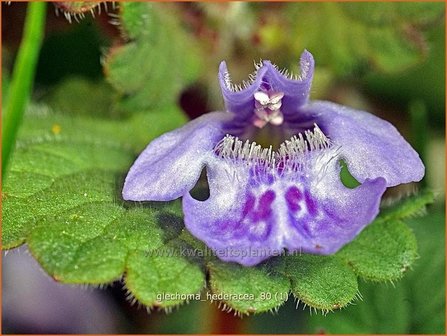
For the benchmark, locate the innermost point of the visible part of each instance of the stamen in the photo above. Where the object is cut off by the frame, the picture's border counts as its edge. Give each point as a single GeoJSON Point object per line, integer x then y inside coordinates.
{"type": "Point", "coordinates": [268, 108]}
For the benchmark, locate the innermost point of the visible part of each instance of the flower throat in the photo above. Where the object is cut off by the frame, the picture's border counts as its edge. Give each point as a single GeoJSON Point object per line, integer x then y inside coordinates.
{"type": "Point", "coordinates": [288, 154]}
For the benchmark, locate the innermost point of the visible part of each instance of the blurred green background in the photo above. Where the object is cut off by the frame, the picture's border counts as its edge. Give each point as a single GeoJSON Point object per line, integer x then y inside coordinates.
{"type": "Point", "coordinates": [386, 58]}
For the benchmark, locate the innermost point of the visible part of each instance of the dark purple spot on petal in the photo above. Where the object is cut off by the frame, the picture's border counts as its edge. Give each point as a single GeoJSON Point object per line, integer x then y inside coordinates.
{"type": "Point", "coordinates": [311, 204]}
{"type": "Point", "coordinates": [293, 196]}
{"type": "Point", "coordinates": [265, 205]}
{"type": "Point", "coordinates": [255, 222]}
{"type": "Point", "coordinates": [249, 205]}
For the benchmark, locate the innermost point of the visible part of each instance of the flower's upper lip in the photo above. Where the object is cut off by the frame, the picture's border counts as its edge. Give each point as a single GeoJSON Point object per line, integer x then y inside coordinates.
{"type": "Point", "coordinates": [289, 83]}
{"type": "Point", "coordinates": [267, 72]}
{"type": "Point", "coordinates": [248, 90]}
{"type": "Point", "coordinates": [239, 99]}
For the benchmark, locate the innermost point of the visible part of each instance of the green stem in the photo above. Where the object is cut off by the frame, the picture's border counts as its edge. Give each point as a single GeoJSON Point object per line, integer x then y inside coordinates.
{"type": "Point", "coordinates": [22, 78]}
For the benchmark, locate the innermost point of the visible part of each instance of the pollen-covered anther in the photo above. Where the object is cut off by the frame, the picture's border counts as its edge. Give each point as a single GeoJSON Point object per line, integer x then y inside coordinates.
{"type": "Point", "coordinates": [267, 108]}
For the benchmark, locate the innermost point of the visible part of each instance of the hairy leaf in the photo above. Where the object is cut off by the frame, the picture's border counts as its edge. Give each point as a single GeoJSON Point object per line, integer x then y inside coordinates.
{"type": "Point", "coordinates": [348, 37]}
{"type": "Point", "coordinates": [383, 309]}
{"type": "Point", "coordinates": [426, 284]}
{"type": "Point", "coordinates": [249, 289]}
{"type": "Point", "coordinates": [77, 95]}
{"type": "Point", "coordinates": [383, 251]}
{"type": "Point", "coordinates": [415, 305]}
{"type": "Point", "coordinates": [163, 277]}
{"type": "Point", "coordinates": [63, 162]}
{"type": "Point", "coordinates": [412, 206]}
{"type": "Point", "coordinates": [157, 62]}
{"type": "Point", "coordinates": [77, 7]}
{"type": "Point", "coordinates": [323, 282]}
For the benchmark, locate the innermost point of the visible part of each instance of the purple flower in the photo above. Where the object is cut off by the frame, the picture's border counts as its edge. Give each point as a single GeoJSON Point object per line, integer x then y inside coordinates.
{"type": "Point", "coordinates": [285, 192]}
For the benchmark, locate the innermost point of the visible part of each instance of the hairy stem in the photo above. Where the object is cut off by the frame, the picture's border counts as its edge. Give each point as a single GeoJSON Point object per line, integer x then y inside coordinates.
{"type": "Point", "coordinates": [22, 78]}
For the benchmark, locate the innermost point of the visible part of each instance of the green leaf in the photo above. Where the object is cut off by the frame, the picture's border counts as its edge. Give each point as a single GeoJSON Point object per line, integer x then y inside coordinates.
{"type": "Point", "coordinates": [21, 212]}
{"type": "Point", "coordinates": [164, 278]}
{"type": "Point", "coordinates": [382, 252]}
{"type": "Point", "coordinates": [62, 162]}
{"type": "Point", "coordinates": [416, 305]}
{"type": "Point", "coordinates": [387, 248]}
{"type": "Point", "coordinates": [417, 13]}
{"type": "Point", "coordinates": [322, 282]}
{"type": "Point", "coordinates": [383, 310]}
{"type": "Point", "coordinates": [426, 284]}
{"type": "Point", "coordinates": [77, 234]}
{"type": "Point", "coordinates": [420, 83]}
{"type": "Point", "coordinates": [57, 157]}
{"type": "Point", "coordinates": [157, 63]}
{"type": "Point", "coordinates": [95, 240]}
{"type": "Point", "coordinates": [348, 37]}
{"type": "Point", "coordinates": [79, 96]}
{"type": "Point", "coordinates": [248, 289]}
{"type": "Point", "coordinates": [347, 179]}
{"type": "Point", "coordinates": [61, 198]}
{"type": "Point", "coordinates": [412, 206]}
